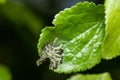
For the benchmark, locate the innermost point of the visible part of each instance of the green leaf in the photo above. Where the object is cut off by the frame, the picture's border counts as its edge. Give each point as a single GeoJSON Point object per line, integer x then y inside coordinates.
{"type": "Point", "coordinates": [81, 30]}
{"type": "Point", "coordinates": [102, 76]}
{"type": "Point", "coordinates": [111, 46]}
{"type": "Point", "coordinates": [5, 73]}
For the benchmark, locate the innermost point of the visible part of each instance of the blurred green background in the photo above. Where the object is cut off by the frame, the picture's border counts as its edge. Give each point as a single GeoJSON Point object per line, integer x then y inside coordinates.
{"type": "Point", "coordinates": [21, 22]}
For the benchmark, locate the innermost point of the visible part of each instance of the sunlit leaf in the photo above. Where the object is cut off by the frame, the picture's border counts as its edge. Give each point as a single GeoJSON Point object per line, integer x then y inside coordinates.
{"type": "Point", "coordinates": [81, 30]}
{"type": "Point", "coordinates": [102, 76]}
{"type": "Point", "coordinates": [111, 46]}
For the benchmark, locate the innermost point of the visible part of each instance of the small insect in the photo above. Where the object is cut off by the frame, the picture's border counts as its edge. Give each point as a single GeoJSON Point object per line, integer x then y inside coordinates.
{"type": "Point", "coordinates": [53, 52]}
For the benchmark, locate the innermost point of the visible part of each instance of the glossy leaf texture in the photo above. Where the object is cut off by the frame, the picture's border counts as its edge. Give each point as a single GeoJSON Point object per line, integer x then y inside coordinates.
{"type": "Point", "coordinates": [5, 73]}
{"type": "Point", "coordinates": [102, 76]}
{"type": "Point", "coordinates": [80, 29]}
{"type": "Point", "coordinates": [111, 46]}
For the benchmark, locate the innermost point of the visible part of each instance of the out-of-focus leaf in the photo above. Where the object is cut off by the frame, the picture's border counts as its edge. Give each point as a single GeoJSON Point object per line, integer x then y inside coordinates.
{"type": "Point", "coordinates": [20, 14]}
{"type": "Point", "coordinates": [102, 76]}
{"type": "Point", "coordinates": [111, 46]}
{"type": "Point", "coordinates": [81, 30]}
{"type": "Point", "coordinates": [5, 73]}
{"type": "Point", "coordinates": [3, 1]}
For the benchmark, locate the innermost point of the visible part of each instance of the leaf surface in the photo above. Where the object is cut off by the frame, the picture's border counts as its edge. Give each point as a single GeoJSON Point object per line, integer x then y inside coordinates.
{"type": "Point", "coordinates": [102, 76]}
{"type": "Point", "coordinates": [81, 30]}
{"type": "Point", "coordinates": [111, 46]}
